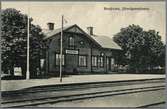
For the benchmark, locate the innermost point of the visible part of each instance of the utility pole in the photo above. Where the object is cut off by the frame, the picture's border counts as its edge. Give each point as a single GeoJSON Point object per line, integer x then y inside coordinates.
{"type": "Point", "coordinates": [61, 48]}
{"type": "Point", "coordinates": [28, 45]}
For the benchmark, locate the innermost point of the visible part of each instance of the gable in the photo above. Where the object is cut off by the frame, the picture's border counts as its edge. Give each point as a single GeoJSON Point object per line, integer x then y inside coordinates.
{"type": "Point", "coordinates": [75, 29]}
{"type": "Point", "coordinates": [71, 29]}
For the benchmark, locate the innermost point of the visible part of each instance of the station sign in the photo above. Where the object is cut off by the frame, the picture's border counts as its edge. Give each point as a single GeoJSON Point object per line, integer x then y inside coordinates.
{"type": "Point", "coordinates": [71, 51]}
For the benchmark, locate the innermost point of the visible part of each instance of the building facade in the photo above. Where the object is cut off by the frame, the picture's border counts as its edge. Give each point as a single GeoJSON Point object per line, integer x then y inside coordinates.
{"type": "Point", "coordinates": [82, 52]}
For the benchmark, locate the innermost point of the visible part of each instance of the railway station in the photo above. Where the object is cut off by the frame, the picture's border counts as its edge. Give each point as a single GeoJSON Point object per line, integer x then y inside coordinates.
{"type": "Point", "coordinates": [82, 52]}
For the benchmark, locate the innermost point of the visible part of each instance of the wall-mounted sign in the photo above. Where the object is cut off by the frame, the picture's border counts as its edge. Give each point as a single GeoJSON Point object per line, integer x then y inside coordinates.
{"type": "Point", "coordinates": [17, 71]}
{"type": "Point", "coordinates": [71, 51]}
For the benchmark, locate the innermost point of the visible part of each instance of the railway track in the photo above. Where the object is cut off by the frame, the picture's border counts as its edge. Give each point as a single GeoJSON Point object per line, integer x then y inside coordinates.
{"type": "Point", "coordinates": [76, 92]}
{"type": "Point", "coordinates": [152, 105]}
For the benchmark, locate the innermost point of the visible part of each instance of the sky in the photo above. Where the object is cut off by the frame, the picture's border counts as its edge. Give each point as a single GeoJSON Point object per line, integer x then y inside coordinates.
{"type": "Point", "coordinates": [108, 21]}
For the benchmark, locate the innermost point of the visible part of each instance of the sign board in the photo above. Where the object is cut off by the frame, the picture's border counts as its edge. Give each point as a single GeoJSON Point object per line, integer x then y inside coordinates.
{"type": "Point", "coordinates": [17, 71]}
{"type": "Point", "coordinates": [71, 51]}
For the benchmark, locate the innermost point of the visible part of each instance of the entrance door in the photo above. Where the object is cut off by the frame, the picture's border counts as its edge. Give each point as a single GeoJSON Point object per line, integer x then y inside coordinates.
{"type": "Point", "coordinates": [71, 62]}
{"type": "Point", "coordinates": [110, 63]}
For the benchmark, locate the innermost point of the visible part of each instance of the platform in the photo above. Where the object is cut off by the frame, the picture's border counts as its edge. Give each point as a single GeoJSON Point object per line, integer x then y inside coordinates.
{"type": "Point", "coordinates": [11, 85]}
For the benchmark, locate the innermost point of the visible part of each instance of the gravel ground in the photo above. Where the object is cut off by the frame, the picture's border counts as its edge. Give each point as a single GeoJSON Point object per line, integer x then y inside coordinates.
{"type": "Point", "coordinates": [126, 100]}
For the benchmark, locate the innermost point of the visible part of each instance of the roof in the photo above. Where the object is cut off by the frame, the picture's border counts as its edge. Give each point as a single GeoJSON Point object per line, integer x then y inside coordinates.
{"type": "Point", "coordinates": [50, 33]}
{"type": "Point", "coordinates": [106, 42]}
{"type": "Point", "coordinates": [103, 41]}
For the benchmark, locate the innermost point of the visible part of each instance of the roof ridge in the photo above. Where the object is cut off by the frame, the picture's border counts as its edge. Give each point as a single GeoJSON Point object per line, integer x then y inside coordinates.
{"type": "Point", "coordinates": [101, 40]}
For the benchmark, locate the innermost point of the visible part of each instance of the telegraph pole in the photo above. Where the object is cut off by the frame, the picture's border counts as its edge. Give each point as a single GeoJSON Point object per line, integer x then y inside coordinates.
{"type": "Point", "coordinates": [28, 45]}
{"type": "Point", "coordinates": [61, 48]}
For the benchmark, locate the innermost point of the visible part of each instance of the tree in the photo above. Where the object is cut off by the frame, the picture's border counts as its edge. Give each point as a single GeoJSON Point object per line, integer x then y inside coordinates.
{"type": "Point", "coordinates": [142, 49]}
{"type": "Point", "coordinates": [14, 41]}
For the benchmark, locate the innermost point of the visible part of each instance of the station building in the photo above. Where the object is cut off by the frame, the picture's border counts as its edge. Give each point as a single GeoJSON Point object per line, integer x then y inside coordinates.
{"type": "Point", "coordinates": [83, 52]}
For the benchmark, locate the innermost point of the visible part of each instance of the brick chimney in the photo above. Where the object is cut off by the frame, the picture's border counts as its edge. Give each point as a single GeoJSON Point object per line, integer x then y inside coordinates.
{"type": "Point", "coordinates": [90, 30]}
{"type": "Point", "coordinates": [50, 25]}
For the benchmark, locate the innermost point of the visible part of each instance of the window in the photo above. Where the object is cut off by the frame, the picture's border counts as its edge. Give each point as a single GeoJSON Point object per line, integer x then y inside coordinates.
{"type": "Point", "coordinates": [102, 54]}
{"type": "Point", "coordinates": [58, 59]}
{"type": "Point", "coordinates": [71, 41]}
{"type": "Point", "coordinates": [82, 61]}
{"type": "Point", "coordinates": [100, 61]}
{"type": "Point", "coordinates": [108, 61]}
{"type": "Point", "coordinates": [81, 42]}
{"type": "Point", "coordinates": [94, 61]}
{"type": "Point", "coordinates": [112, 61]}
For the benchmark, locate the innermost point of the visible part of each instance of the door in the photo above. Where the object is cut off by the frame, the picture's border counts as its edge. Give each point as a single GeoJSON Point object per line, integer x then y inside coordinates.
{"type": "Point", "coordinates": [71, 62]}
{"type": "Point", "coordinates": [110, 63]}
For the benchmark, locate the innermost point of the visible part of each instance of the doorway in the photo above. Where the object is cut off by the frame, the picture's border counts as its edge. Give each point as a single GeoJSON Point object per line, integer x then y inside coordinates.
{"type": "Point", "coordinates": [71, 62]}
{"type": "Point", "coordinates": [110, 63]}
